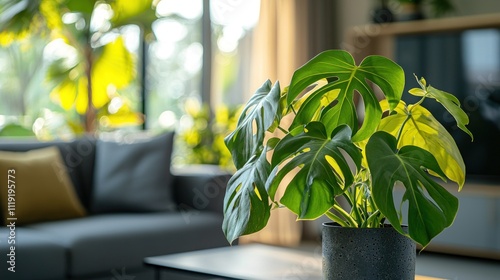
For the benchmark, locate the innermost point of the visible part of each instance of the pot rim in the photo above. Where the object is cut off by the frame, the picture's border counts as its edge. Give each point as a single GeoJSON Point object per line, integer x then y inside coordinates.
{"type": "Point", "coordinates": [336, 225]}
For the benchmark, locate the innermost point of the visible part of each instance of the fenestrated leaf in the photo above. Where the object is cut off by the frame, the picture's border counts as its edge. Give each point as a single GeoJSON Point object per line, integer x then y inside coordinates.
{"type": "Point", "coordinates": [257, 117]}
{"type": "Point", "coordinates": [246, 203]}
{"type": "Point", "coordinates": [339, 68]}
{"type": "Point", "coordinates": [424, 131]}
{"type": "Point", "coordinates": [449, 101]}
{"type": "Point", "coordinates": [431, 208]}
{"type": "Point", "coordinates": [323, 170]}
{"type": "Point", "coordinates": [317, 101]}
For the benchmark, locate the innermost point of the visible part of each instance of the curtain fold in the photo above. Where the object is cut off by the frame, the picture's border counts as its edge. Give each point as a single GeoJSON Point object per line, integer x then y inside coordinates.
{"type": "Point", "coordinates": [289, 33]}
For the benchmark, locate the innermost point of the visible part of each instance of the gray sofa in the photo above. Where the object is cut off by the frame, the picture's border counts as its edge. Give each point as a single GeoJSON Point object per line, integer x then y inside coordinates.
{"type": "Point", "coordinates": [133, 205]}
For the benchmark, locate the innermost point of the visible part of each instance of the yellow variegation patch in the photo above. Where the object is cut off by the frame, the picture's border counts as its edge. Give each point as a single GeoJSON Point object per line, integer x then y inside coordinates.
{"type": "Point", "coordinates": [424, 131]}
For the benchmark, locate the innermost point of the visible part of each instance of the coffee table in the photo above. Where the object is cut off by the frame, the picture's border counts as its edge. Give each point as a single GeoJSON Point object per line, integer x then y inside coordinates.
{"type": "Point", "coordinates": [252, 261]}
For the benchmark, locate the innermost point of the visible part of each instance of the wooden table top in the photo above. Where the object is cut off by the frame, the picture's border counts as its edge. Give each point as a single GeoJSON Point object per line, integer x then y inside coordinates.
{"type": "Point", "coordinates": [252, 261]}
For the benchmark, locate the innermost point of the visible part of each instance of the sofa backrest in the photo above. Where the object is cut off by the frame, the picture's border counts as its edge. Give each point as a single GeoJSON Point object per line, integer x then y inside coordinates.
{"type": "Point", "coordinates": [78, 156]}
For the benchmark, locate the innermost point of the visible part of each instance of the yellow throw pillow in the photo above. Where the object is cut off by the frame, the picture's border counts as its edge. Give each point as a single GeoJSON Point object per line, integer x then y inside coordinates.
{"type": "Point", "coordinates": [38, 187]}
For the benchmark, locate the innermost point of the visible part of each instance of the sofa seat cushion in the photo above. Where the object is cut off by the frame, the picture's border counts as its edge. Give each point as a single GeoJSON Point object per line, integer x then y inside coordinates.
{"type": "Point", "coordinates": [37, 255]}
{"type": "Point", "coordinates": [103, 243]}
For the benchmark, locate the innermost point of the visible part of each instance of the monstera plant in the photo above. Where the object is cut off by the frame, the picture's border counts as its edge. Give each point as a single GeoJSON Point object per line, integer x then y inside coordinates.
{"type": "Point", "coordinates": [314, 140]}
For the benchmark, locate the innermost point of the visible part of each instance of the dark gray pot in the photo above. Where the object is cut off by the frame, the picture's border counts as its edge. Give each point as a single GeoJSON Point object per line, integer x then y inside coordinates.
{"type": "Point", "coordinates": [367, 253]}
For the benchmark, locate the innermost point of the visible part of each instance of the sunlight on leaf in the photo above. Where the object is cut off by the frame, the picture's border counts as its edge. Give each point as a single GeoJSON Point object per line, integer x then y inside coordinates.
{"type": "Point", "coordinates": [431, 208]}
{"type": "Point", "coordinates": [344, 75]}
{"type": "Point", "coordinates": [139, 12]}
{"type": "Point", "coordinates": [52, 13]}
{"type": "Point", "coordinates": [82, 99]}
{"type": "Point", "coordinates": [424, 131]}
{"type": "Point", "coordinates": [66, 93]}
{"type": "Point", "coordinates": [115, 66]}
{"type": "Point", "coordinates": [449, 102]}
{"type": "Point", "coordinates": [311, 193]}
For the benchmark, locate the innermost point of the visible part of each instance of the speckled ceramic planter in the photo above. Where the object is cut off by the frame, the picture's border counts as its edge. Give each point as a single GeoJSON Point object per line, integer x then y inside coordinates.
{"type": "Point", "coordinates": [361, 253]}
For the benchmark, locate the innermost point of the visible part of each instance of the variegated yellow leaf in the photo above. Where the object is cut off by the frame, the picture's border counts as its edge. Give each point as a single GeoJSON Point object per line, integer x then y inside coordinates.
{"type": "Point", "coordinates": [424, 131]}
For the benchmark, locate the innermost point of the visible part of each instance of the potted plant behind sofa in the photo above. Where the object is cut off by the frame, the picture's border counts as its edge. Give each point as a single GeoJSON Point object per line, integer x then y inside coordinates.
{"type": "Point", "coordinates": [326, 154]}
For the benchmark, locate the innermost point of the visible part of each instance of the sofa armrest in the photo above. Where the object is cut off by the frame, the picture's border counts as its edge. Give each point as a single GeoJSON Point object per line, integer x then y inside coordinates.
{"type": "Point", "coordinates": [200, 187]}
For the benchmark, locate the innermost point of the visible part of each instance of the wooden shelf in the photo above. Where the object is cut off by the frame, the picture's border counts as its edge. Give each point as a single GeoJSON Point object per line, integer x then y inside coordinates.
{"type": "Point", "coordinates": [436, 25]}
{"type": "Point", "coordinates": [369, 39]}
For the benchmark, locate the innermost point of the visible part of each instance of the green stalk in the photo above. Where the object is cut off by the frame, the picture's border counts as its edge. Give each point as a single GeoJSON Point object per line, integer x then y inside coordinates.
{"type": "Point", "coordinates": [348, 197]}
{"type": "Point", "coordinates": [402, 126]}
{"type": "Point", "coordinates": [346, 215]}
{"type": "Point", "coordinates": [408, 116]}
{"type": "Point", "coordinates": [336, 219]}
{"type": "Point", "coordinates": [419, 102]}
{"type": "Point", "coordinates": [283, 130]}
{"type": "Point", "coordinates": [372, 218]}
{"type": "Point", "coordinates": [354, 206]}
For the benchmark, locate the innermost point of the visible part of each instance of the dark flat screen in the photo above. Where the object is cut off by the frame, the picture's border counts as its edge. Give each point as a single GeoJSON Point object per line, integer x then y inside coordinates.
{"type": "Point", "coordinates": [466, 64]}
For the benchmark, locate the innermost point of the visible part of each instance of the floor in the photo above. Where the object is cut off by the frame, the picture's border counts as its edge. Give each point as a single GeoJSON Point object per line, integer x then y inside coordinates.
{"type": "Point", "coordinates": [444, 266]}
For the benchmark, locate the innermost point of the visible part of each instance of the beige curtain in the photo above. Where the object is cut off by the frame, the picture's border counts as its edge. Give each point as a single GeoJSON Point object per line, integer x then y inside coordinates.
{"type": "Point", "coordinates": [289, 33]}
{"type": "Point", "coordinates": [278, 47]}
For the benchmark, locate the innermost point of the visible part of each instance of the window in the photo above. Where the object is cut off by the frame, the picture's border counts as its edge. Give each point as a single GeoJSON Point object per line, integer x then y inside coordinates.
{"type": "Point", "coordinates": [175, 63]}
{"type": "Point", "coordinates": [196, 58]}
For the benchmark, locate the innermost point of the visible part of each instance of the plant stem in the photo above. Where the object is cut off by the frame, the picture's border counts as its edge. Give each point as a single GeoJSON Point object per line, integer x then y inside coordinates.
{"type": "Point", "coordinates": [282, 129]}
{"type": "Point", "coordinates": [354, 206]}
{"type": "Point", "coordinates": [336, 219]}
{"type": "Point", "coordinates": [402, 126]}
{"type": "Point", "coordinates": [348, 198]}
{"type": "Point", "coordinates": [408, 116]}
{"type": "Point", "coordinates": [419, 102]}
{"type": "Point", "coordinates": [346, 215]}
{"type": "Point", "coordinates": [372, 218]}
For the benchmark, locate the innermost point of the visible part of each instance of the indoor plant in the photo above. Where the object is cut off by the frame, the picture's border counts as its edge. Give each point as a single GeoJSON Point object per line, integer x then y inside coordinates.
{"type": "Point", "coordinates": [412, 9]}
{"type": "Point", "coordinates": [310, 132]}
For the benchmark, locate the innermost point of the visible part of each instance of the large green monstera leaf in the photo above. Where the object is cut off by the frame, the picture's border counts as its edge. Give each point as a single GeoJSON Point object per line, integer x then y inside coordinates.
{"type": "Point", "coordinates": [246, 203]}
{"type": "Point", "coordinates": [258, 116]}
{"type": "Point", "coordinates": [323, 170]}
{"type": "Point", "coordinates": [431, 208]}
{"type": "Point", "coordinates": [339, 68]}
